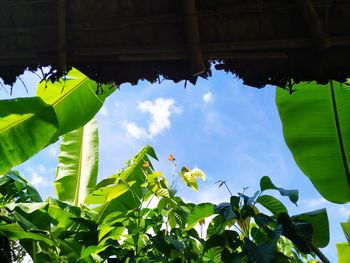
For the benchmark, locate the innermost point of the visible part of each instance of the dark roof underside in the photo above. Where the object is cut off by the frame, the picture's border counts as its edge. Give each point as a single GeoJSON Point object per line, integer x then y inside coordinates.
{"type": "Point", "coordinates": [262, 42]}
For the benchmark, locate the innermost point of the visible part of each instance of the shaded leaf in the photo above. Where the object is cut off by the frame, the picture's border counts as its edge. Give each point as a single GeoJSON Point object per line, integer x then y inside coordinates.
{"type": "Point", "coordinates": [272, 204]}
{"type": "Point", "coordinates": [319, 221]}
{"type": "Point", "coordinates": [266, 184]}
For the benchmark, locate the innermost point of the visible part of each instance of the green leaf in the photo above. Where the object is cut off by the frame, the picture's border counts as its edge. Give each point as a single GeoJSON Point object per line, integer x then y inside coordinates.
{"type": "Point", "coordinates": [343, 252]}
{"type": "Point", "coordinates": [300, 233]}
{"type": "Point", "coordinates": [75, 98]}
{"type": "Point", "coordinates": [27, 125]}
{"type": "Point", "coordinates": [316, 125]}
{"type": "Point", "coordinates": [134, 175]}
{"type": "Point", "coordinates": [225, 210]}
{"type": "Point", "coordinates": [216, 226]}
{"type": "Point", "coordinates": [107, 194]}
{"type": "Point", "coordinates": [190, 177]}
{"type": "Point", "coordinates": [200, 212]}
{"type": "Point", "coordinates": [15, 188]}
{"type": "Point", "coordinates": [266, 184]}
{"type": "Point", "coordinates": [15, 232]}
{"type": "Point", "coordinates": [272, 204]}
{"type": "Point", "coordinates": [319, 221]}
{"type": "Point", "coordinates": [346, 229]}
{"type": "Point", "coordinates": [213, 255]}
{"type": "Point", "coordinates": [78, 164]}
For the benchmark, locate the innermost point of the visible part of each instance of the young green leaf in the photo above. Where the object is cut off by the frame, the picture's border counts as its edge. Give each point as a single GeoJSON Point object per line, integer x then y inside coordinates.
{"type": "Point", "coordinates": [272, 204]}
{"type": "Point", "coordinates": [78, 164]}
{"type": "Point", "coordinates": [200, 212]}
{"type": "Point", "coordinates": [266, 184]}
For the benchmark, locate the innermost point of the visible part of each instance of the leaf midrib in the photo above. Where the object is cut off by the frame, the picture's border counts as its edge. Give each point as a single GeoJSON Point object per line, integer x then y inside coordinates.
{"type": "Point", "coordinates": [77, 188]}
{"type": "Point", "coordinates": [145, 150]}
{"type": "Point", "coordinates": [339, 133]}
{"type": "Point", "coordinates": [44, 108]}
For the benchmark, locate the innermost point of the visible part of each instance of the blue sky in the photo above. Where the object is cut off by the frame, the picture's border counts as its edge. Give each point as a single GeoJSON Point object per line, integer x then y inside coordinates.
{"type": "Point", "coordinates": [230, 131]}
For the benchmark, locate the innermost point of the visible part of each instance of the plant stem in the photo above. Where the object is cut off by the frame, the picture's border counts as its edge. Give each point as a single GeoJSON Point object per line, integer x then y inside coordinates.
{"type": "Point", "coordinates": [318, 252]}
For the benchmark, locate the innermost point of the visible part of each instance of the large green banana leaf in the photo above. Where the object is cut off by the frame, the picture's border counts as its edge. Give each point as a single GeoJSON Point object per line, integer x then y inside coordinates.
{"type": "Point", "coordinates": [75, 98]}
{"type": "Point", "coordinates": [123, 191]}
{"type": "Point", "coordinates": [316, 127]}
{"type": "Point", "coordinates": [78, 164]}
{"type": "Point", "coordinates": [28, 125]}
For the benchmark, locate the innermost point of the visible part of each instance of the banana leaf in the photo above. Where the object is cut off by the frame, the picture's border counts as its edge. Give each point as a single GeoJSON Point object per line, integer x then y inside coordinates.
{"type": "Point", "coordinates": [75, 98]}
{"type": "Point", "coordinates": [27, 125]}
{"type": "Point", "coordinates": [118, 198]}
{"type": "Point", "coordinates": [316, 128]}
{"type": "Point", "coordinates": [78, 164]}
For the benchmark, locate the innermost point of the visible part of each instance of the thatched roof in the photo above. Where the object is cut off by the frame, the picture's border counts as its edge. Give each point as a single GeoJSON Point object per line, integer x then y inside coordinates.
{"type": "Point", "coordinates": [261, 41]}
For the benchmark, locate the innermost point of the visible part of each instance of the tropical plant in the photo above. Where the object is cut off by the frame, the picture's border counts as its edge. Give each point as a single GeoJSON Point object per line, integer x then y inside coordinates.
{"type": "Point", "coordinates": [13, 189]}
{"type": "Point", "coordinates": [316, 127]}
{"type": "Point", "coordinates": [30, 124]}
{"type": "Point", "coordinates": [133, 215]}
{"type": "Point", "coordinates": [344, 247]}
{"type": "Point", "coordinates": [122, 225]}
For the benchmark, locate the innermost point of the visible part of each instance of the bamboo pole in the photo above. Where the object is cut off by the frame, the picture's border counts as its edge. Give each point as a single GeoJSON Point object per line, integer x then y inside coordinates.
{"type": "Point", "coordinates": [312, 20]}
{"type": "Point", "coordinates": [61, 36]}
{"type": "Point", "coordinates": [192, 37]}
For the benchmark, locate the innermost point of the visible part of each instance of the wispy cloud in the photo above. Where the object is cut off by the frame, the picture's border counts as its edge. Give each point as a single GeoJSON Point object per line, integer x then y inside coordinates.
{"type": "Point", "coordinates": [104, 111]}
{"type": "Point", "coordinates": [53, 150]}
{"type": "Point", "coordinates": [37, 180]}
{"type": "Point", "coordinates": [208, 97]}
{"type": "Point", "coordinates": [134, 131]}
{"type": "Point", "coordinates": [161, 109]}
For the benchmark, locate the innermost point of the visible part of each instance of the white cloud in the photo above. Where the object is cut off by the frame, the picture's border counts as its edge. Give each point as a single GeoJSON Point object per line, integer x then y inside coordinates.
{"type": "Point", "coordinates": [344, 210]}
{"type": "Point", "coordinates": [42, 168]}
{"type": "Point", "coordinates": [132, 130]}
{"type": "Point", "coordinates": [38, 180]}
{"type": "Point", "coordinates": [161, 109]}
{"type": "Point", "coordinates": [104, 111]}
{"type": "Point", "coordinates": [53, 151]}
{"type": "Point", "coordinates": [315, 202]}
{"type": "Point", "coordinates": [208, 97]}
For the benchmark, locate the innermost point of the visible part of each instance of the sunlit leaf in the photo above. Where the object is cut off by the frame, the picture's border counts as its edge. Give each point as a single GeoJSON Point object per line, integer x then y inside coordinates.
{"type": "Point", "coordinates": [200, 212]}
{"type": "Point", "coordinates": [316, 127]}
{"type": "Point", "coordinates": [78, 164]}
{"type": "Point", "coordinates": [75, 98]}
{"type": "Point", "coordinates": [343, 250]}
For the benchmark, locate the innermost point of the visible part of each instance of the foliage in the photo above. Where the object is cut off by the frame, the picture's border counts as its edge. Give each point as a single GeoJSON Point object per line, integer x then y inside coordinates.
{"type": "Point", "coordinates": [78, 164]}
{"type": "Point", "coordinates": [13, 189]}
{"type": "Point", "coordinates": [133, 215]}
{"type": "Point", "coordinates": [30, 124]}
{"type": "Point", "coordinates": [344, 248]}
{"type": "Point", "coordinates": [316, 125]}
{"type": "Point", "coordinates": [122, 223]}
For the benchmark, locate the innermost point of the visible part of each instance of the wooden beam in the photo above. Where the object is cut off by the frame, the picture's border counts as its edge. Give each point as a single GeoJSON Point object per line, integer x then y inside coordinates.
{"type": "Point", "coordinates": [61, 36]}
{"type": "Point", "coordinates": [192, 37]}
{"type": "Point", "coordinates": [312, 20]}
